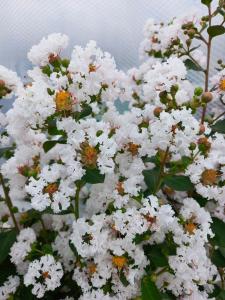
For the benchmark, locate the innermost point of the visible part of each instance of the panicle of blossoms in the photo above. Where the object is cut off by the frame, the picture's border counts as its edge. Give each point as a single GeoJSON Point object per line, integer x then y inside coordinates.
{"type": "Point", "coordinates": [109, 204]}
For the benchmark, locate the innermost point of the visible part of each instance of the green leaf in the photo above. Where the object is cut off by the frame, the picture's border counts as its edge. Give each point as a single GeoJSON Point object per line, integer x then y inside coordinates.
{"type": "Point", "coordinates": [179, 182]}
{"type": "Point", "coordinates": [48, 145]}
{"type": "Point", "coordinates": [191, 65]}
{"type": "Point", "coordinates": [221, 295]}
{"type": "Point", "coordinates": [86, 111]}
{"type": "Point", "coordinates": [52, 128]}
{"type": "Point", "coordinates": [7, 239]}
{"type": "Point", "coordinates": [151, 178]}
{"type": "Point", "coordinates": [167, 296]}
{"type": "Point", "coordinates": [7, 269]}
{"type": "Point", "coordinates": [218, 227]}
{"type": "Point", "coordinates": [149, 290]}
{"type": "Point", "coordinates": [139, 238]}
{"type": "Point", "coordinates": [215, 30]}
{"type": "Point", "coordinates": [123, 279]}
{"type": "Point", "coordinates": [218, 259]}
{"type": "Point", "coordinates": [206, 2]}
{"type": "Point", "coordinates": [93, 176]}
{"type": "Point", "coordinates": [219, 126]}
{"type": "Point", "coordinates": [155, 255]}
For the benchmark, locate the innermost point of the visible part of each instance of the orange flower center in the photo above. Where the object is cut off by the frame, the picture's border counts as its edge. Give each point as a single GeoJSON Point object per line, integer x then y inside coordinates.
{"type": "Point", "coordinates": [119, 261]}
{"type": "Point", "coordinates": [209, 177]}
{"type": "Point", "coordinates": [46, 275]}
{"type": "Point", "coordinates": [190, 228]}
{"type": "Point", "coordinates": [222, 84]}
{"type": "Point", "coordinates": [120, 188]}
{"type": "Point", "coordinates": [92, 268]}
{"type": "Point", "coordinates": [89, 155]}
{"type": "Point", "coordinates": [51, 188]}
{"type": "Point", "coordinates": [92, 68]}
{"type": "Point", "coordinates": [133, 148]}
{"type": "Point", "coordinates": [150, 219]}
{"type": "Point", "coordinates": [63, 101]}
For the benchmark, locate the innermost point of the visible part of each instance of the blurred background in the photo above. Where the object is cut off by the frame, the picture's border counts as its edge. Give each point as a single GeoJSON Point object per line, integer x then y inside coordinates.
{"type": "Point", "coordinates": [116, 25]}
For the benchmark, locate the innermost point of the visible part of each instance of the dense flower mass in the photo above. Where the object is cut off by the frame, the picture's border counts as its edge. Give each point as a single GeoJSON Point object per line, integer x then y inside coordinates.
{"type": "Point", "coordinates": [98, 204]}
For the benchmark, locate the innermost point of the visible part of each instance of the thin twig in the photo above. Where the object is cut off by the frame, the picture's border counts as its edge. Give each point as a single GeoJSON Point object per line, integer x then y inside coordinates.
{"type": "Point", "coordinates": [207, 66]}
{"type": "Point", "coordinates": [9, 202]}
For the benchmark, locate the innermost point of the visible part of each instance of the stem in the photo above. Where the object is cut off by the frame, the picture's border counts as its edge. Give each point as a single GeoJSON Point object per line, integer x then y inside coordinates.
{"type": "Point", "coordinates": [42, 224]}
{"type": "Point", "coordinates": [9, 202]}
{"type": "Point", "coordinates": [186, 52]}
{"type": "Point", "coordinates": [161, 271]}
{"type": "Point", "coordinates": [161, 171]}
{"type": "Point", "coordinates": [219, 116]}
{"type": "Point", "coordinates": [208, 65]}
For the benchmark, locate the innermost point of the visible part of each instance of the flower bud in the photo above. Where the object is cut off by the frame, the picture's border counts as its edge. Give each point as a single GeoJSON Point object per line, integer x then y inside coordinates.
{"type": "Point", "coordinates": [157, 111]}
{"type": "Point", "coordinates": [207, 97]}
{"type": "Point", "coordinates": [2, 83]}
{"type": "Point", "coordinates": [198, 91]}
{"type": "Point", "coordinates": [201, 129]}
{"type": "Point", "coordinates": [192, 146]}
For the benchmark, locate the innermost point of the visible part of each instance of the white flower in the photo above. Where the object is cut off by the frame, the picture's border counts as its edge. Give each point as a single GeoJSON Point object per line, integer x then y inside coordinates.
{"type": "Point", "coordinates": [53, 44]}
{"type": "Point", "coordinates": [22, 247]}
{"type": "Point", "coordinates": [11, 81]}
{"type": "Point", "coordinates": [46, 269]}
{"type": "Point", "coordinates": [9, 287]}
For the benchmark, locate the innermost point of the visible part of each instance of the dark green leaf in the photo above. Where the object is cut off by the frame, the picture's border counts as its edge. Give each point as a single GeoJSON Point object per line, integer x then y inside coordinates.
{"type": "Point", "coordinates": [7, 239]}
{"type": "Point", "coordinates": [142, 237]}
{"type": "Point", "coordinates": [218, 259]}
{"type": "Point", "coordinates": [123, 279]}
{"type": "Point", "coordinates": [24, 293]}
{"type": "Point", "coordinates": [216, 30]}
{"type": "Point", "coordinates": [218, 227]}
{"type": "Point", "coordinates": [155, 255]}
{"type": "Point", "coordinates": [86, 111]}
{"type": "Point", "coordinates": [151, 178]}
{"type": "Point", "coordinates": [167, 296]}
{"type": "Point", "coordinates": [50, 144]}
{"type": "Point", "coordinates": [93, 176]}
{"type": "Point", "coordinates": [191, 65]}
{"type": "Point", "coordinates": [52, 128]}
{"type": "Point", "coordinates": [7, 269]}
{"type": "Point", "coordinates": [179, 182]}
{"type": "Point", "coordinates": [219, 126]}
{"type": "Point", "coordinates": [149, 290]}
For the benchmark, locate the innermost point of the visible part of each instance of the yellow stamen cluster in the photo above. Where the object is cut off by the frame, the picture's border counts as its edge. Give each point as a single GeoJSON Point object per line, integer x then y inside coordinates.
{"type": "Point", "coordinates": [92, 268]}
{"type": "Point", "coordinates": [89, 155]}
{"type": "Point", "coordinates": [120, 188]}
{"type": "Point", "coordinates": [63, 101]}
{"type": "Point", "coordinates": [119, 261]}
{"type": "Point", "coordinates": [46, 275]}
{"type": "Point", "coordinates": [222, 84]}
{"type": "Point", "coordinates": [133, 148]}
{"type": "Point", "coordinates": [51, 188]}
{"type": "Point", "coordinates": [92, 68]}
{"type": "Point", "coordinates": [190, 228]}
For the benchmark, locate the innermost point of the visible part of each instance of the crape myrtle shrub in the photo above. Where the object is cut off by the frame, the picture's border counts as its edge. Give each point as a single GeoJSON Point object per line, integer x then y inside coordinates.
{"type": "Point", "coordinates": [101, 205]}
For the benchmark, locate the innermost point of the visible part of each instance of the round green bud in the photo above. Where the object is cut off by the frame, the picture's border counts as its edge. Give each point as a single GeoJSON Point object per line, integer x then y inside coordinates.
{"type": "Point", "coordinates": [198, 91]}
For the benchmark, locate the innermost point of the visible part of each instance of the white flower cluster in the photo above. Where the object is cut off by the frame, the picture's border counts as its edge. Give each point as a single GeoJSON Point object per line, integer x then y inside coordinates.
{"type": "Point", "coordinates": [9, 287]}
{"type": "Point", "coordinates": [104, 202]}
